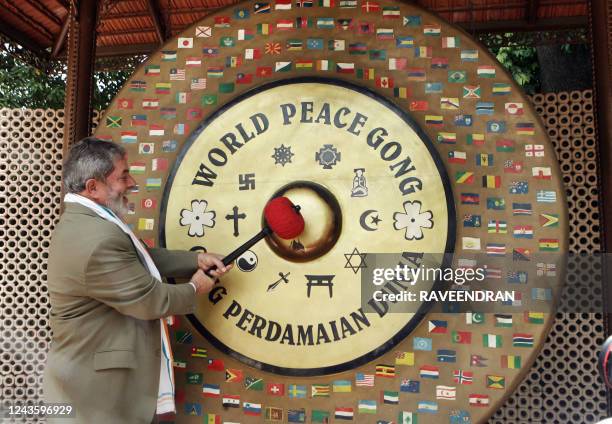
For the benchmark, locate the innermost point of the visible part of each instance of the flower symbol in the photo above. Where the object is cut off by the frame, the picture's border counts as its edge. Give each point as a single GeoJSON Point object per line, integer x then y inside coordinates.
{"type": "Point", "coordinates": [413, 220]}
{"type": "Point", "coordinates": [197, 218]}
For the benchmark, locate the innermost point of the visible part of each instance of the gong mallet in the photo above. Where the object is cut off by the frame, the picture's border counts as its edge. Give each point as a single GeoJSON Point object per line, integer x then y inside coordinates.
{"type": "Point", "coordinates": [281, 217]}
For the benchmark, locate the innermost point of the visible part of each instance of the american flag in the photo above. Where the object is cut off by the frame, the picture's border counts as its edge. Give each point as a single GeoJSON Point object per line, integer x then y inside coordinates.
{"type": "Point", "coordinates": [463, 377]}
{"type": "Point", "coordinates": [364, 380]}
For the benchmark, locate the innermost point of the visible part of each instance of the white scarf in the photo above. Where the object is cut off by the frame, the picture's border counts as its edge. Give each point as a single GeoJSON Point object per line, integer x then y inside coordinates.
{"type": "Point", "coordinates": [165, 396]}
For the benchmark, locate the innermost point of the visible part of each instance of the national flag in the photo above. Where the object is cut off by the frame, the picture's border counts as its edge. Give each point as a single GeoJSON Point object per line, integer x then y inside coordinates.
{"type": "Point", "coordinates": [463, 120]}
{"type": "Point", "coordinates": [404, 358]}
{"type": "Point", "coordinates": [358, 48]}
{"type": "Point", "coordinates": [275, 389]}
{"type": "Point", "coordinates": [548, 220]}
{"type": "Point", "coordinates": [540, 293]}
{"type": "Point", "coordinates": [210, 51]}
{"type": "Point", "coordinates": [345, 68]}
{"type": "Point", "coordinates": [304, 22]}
{"type": "Point", "coordinates": [523, 231]}
{"type": "Point", "coordinates": [462, 337]}
{"type": "Point", "coordinates": [397, 64]}
{"type": "Point", "coordinates": [522, 340]}
{"type": "Point", "coordinates": [407, 418]}
{"type": "Point", "coordinates": [427, 407]}
{"type": "Point", "coordinates": [344, 413]}
{"type": "Point", "coordinates": [253, 383]}
{"type": "Point", "coordinates": [347, 4]}
{"type": "Point", "coordinates": [327, 3]}
{"type": "Point", "coordinates": [384, 33]}
{"type": "Point", "coordinates": [185, 43]}
{"type": "Point", "coordinates": [402, 92]}
{"type": "Point", "coordinates": [534, 150]}
{"type": "Point", "coordinates": [446, 392]}
{"type": "Point", "coordinates": [429, 371]}
{"type": "Point", "coordinates": [439, 63]}
{"type": "Point", "coordinates": [521, 209]}
{"type": "Point", "coordinates": [486, 71]}
{"type": "Point", "coordinates": [138, 168]}
{"type": "Point", "coordinates": [152, 70]}
{"type": "Point", "coordinates": [211, 390]}
{"type": "Point", "coordinates": [252, 54]}
{"type": "Point", "coordinates": [501, 88]}
{"type": "Point", "coordinates": [464, 177]}
{"type": "Point", "coordinates": [389, 397]}
{"type": "Point", "coordinates": [261, 7]}
{"type": "Point", "coordinates": [432, 87]}
{"type": "Point", "coordinates": [404, 42]}
{"type": "Point", "coordinates": [296, 391]}
{"type": "Point", "coordinates": [391, 12]}
{"type": "Point", "coordinates": [324, 65]}
{"type": "Point", "coordinates": [163, 87]}
{"type": "Point", "coordinates": [546, 270]}
{"type": "Point", "coordinates": [226, 87]}
{"type": "Point", "coordinates": [227, 41]}
{"type": "Point", "coordinates": [302, 64]}
{"type": "Point", "coordinates": [424, 52]}
{"type": "Point", "coordinates": [129, 137]}
{"type": "Point", "coordinates": [137, 120]}
{"type": "Point", "coordinates": [434, 120]}
{"type": "Point", "coordinates": [517, 277]}
{"type": "Point", "coordinates": [514, 108]}
{"type": "Point", "coordinates": [546, 196]}
{"type": "Point", "coordinates": [304, 3]}
{"type": "Point", "coordinates": [253, 409]}
{"type": "Point", "coordinates": [504, 145]}
{"type": "Point", "coordinates": [457, 76]}
{"type": "Point", "coordinates": [478, 400]}
{"type": "Point", "coordinates": [496, 382]}
{"type": "Point", "coordinates": [446, 137]}
{"type": "Point", "coordinates": [485, 108]}
{"type": "Point", "coordinates": [410, 386]}
{"type": "Point", "coordinates": [463, 377]}
{"type": "Point", "coordinates": [525, 128]}
{"type": "Point", "coordinates": [471, 221]}
{"type": "Point", "coordinates": [366, 406]}
{"type": "Point", "coordinates": [209, 100]}
{"type": "Point", "coordinates": [273, 414]}
{"type": "Point", "coordinates": [470, 243]}
{"type": "Point", "coordinates": [383, 370]}
{"type": "Point", "coordinates": [456, 157]}
{"type": "Point", "coordinates": [470, 198]}
{"type": "Point", "coordinates": [117, 121]}
{"type": "Point", "coordinates": [471, 92]}
{"type": "Point", "coordinates": [446, 355]}
{"type": "Point", "coordinates": [264, 29]}
{"type": "Point", "coordinates": [233, 375]}
{"type": "Point", "coordinates": [484, 159]}
{"type": "Point", "coordinates": [496, 249]}
{"type": "Point", "coordinates": [432, 30]}
{"type": "Point", "coordinates": [469, 55]}
{"type": "Point", "coordinates": [370, 6]}
{"type": "Point", "coordinates": [478, 361]}
{"type": "Point", "coordinates": [450, 42]}
{"type": "Point", "coordinates": [491, 181]}
{"type": "Point", "coordinates": [282, 67]}
{"type": "Point", "coordinates": [497, 226]}
{"type": "Point", "coordinates": [325, 23]}
{"type": "Point", "coordinates": [156, 130]}
{"type": "Point", "coordinates": [282, 5]}
{"type": "Point", "coordinates": [496, 127]}
{"type": "Point", "coordinates": [511, 361]}
{"type": "Point", "coordinates": [534, 317]}
{"type": "Point", "coordinates": [512, 166]}
{"type": "Point", "coordinates": [541, 172]}
{"type": "Point", "coordinates": [320, 390]}
{"type": "Point", "coordinates": [422, 343]}
{"type": "Point", "coordinates": [438, 326]}
{"type": "Point", "coordinates": [449, 103]}
{"type": "Point", "coordinates": [168, 56]}
{"type": "Point", "coordinates": [384, 82]}
{"type": "Point", "coordinates": [364, 380]}
{"type": "Point", "coordinates": [491, 340]}
{"type": "Point", "coordinates": [138, 85]}
{"type": "Point", "coordinates": [198, 352]}
{"type": "Point", "coordinates": [475, 139]}
{"type": "Point", "coordinates": [193, 409]}
{"type": "Point", "coordinates": [179, 364]}
{"type": "Point", "coordinates": [342, 386]}
{"type": "Point", "coordinates": [169, 146]}
{"type": "Point", "coordinates": [319, 416]}
{"type": "Point", "coordinates": [314, 44]}
{"type": "Point", "coordinates": [418, 74]}
{"type": "Point", "coordinates": [125, 104]}
{"type": "Point", "coordinates": [229, 401]}
{"type": "Point", "coordinates": [496, 203]}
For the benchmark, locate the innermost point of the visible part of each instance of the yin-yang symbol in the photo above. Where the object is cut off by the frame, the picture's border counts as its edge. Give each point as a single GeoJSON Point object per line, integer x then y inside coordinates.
{"type": "Point", "coordinates": [247, 262]}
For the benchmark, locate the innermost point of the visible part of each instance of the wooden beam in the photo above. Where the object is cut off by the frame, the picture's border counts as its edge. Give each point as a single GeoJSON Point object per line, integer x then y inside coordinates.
{"type": "Point", "coordinates": [531, 11]}
{"type": "Point", "coordinates": [22, 39]}
{"type": "Point", "coordinates": [158, 20]}
{"type": "Point", "coordinates": [126, 50]}
{"type": "Point", "coordinates": [38, 5]}
{"type": "Point", "coordinates": [170, 11]}
{"type": "Point", "coordinates": [61, 38]}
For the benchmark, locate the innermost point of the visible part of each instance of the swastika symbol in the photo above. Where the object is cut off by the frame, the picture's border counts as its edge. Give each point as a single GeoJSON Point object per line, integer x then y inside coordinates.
{"type": "Point", "coordinates": [246, 182]}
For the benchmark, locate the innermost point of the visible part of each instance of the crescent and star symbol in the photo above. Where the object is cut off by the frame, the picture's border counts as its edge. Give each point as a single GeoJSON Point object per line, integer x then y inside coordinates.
{"type": "Point", "coordinates": [373, 220]}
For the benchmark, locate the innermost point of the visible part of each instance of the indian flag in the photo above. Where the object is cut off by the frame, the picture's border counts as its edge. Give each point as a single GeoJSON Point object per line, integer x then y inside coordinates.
{"type": "Point", "coordinates": [491, 340]}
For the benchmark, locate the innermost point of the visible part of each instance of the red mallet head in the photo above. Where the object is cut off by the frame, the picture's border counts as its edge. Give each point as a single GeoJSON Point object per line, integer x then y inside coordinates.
{"type": "Point", "coordinates": [284, 218]}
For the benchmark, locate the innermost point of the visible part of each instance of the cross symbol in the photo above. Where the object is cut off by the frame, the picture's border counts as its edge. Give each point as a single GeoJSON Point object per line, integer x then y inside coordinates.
{"type": "Point", "coordinates": [236, 216]}
{"type": "Point", "coordinates": [274, 389]}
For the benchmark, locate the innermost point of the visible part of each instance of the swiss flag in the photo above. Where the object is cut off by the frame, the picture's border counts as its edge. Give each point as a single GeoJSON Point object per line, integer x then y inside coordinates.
{"type": "Point", "coordinates": [276, 389]}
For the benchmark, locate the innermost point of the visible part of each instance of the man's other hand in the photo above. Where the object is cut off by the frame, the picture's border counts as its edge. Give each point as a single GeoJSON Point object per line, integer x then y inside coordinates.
{"type": "Point", "coordinates": [203, 283]}
{"type": "Point", "coordinates": [212, 262]}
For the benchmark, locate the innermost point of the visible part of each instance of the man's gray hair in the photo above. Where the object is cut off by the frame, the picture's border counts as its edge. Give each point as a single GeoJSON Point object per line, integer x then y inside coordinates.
{"type": "Point", "coordinates": [87, 159]}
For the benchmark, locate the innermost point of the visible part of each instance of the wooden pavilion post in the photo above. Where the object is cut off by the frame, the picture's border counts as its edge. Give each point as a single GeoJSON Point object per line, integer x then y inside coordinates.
{"type": "Point", "coordinates": [601, 45]}
{"type": "Point", "coordinates": [83, 17]}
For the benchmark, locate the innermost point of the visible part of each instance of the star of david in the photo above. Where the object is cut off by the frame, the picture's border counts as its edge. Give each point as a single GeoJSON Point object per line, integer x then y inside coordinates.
{"type": "Point", "coordinates": [349, 260]}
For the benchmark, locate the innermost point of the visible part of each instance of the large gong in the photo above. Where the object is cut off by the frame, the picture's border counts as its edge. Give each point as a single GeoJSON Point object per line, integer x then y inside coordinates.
{"type": "Point", "coordinates": [400, 138]}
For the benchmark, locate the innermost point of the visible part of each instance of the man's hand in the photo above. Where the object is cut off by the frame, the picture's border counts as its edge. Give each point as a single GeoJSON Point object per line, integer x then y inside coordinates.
{"type": "Point", "coordinates": [206, 261]}
{"type": "Point", "coordinates": [203, 283]}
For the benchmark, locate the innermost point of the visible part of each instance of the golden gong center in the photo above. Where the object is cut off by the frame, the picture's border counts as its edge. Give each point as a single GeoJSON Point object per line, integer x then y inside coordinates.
{"type": "Point", "coordinates": [367, 182]}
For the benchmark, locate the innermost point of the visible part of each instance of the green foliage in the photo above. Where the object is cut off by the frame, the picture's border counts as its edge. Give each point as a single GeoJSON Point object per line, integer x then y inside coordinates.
{"type": "Point", "coordinates": [520, 60]}
{"type": "Point", "coordinates": [22, 85]}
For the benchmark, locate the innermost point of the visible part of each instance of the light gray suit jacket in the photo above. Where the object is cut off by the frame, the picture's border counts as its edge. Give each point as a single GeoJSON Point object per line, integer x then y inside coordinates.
{"type": "Point", "coordinates": [105, 309]}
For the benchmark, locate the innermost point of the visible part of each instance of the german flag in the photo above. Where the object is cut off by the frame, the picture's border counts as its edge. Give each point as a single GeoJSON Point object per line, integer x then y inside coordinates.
{"type": "Point", "coordinates": [385, 370]}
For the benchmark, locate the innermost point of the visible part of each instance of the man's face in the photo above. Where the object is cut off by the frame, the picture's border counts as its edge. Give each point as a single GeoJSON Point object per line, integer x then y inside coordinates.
{"type": "Point", "coordinates": [112, 193]}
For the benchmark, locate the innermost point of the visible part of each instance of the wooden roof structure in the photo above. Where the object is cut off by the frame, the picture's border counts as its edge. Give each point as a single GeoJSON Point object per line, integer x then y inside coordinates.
{"type": "Point", "coordinates": [127, 27]}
